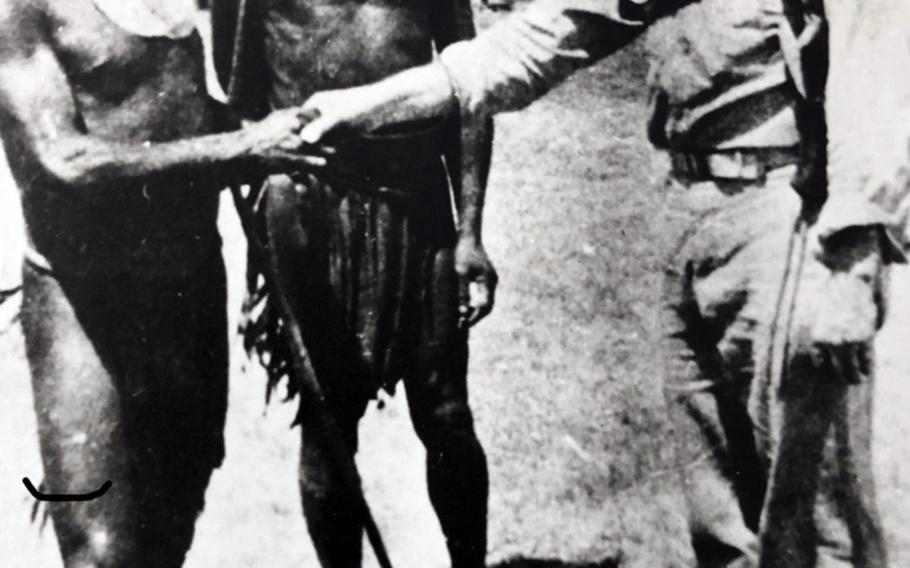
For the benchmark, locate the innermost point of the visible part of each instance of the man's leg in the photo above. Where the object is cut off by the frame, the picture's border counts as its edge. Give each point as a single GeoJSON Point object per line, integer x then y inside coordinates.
{"type": "Point", "coordinates": [720, 469]}
{"type": "Point", "coordinates": [329, 507]}
{"type": "Point", "coordinates": [183, 418]}
{"type": "Point", "coordinates": [116, 401]}
{"type": "Point", "coordinates": [721, 284]}
{"type": "Point", "coordinates": [820, 508]}
{"type": "Point", "coordinates": [457, 477]}
{"type": "Point", "coordinates": [83, 442]}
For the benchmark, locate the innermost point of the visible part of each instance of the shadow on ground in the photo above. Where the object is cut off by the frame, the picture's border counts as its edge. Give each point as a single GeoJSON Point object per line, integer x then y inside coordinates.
{"type": "Point", "coordinates": [547, 563]}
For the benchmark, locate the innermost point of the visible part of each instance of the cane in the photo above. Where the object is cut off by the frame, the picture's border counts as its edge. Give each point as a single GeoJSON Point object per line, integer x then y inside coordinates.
{"type": "Point", "coordinates": [303, 370]}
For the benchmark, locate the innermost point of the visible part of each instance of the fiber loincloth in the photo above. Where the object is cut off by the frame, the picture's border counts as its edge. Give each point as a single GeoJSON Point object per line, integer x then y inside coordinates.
{"type": "Point", "coordinates": [365, 249]}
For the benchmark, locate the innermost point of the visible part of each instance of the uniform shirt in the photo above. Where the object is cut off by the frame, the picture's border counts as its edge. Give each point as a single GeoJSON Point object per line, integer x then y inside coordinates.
{"type": "Point", "coordinates": [717, 79]}
{"type": "Point", "coordinates": [717, 76]}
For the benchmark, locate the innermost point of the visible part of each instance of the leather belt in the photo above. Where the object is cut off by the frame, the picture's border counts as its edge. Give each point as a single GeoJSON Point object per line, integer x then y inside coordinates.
{"type": "Point", "coordinates": [744, 165]}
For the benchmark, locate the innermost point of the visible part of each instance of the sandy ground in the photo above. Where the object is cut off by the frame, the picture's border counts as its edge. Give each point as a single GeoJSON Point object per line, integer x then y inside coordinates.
{"type": "Point", "coordinates": [566, 400]}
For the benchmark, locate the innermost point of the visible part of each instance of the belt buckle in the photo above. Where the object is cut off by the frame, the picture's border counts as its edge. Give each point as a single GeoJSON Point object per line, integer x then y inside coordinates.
{"type": "Point", "coordinates": [748, 169]}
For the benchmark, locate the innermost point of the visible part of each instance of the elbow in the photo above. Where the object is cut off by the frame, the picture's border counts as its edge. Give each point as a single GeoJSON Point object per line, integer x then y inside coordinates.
{"type": "Point", "coordinates": [68, 165]}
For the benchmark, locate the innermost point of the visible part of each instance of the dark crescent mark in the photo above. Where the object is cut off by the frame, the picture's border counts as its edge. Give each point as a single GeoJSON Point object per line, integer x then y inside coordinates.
{"type": "Point", "coordinates": [61, 497]}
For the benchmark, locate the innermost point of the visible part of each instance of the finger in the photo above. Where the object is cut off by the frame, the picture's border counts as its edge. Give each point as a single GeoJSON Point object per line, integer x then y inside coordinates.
{"type": "Point", "coordinates": [317, 149]}
{"type": "Point", "coordinates": [834, 364]}
{"type": "Point", "coordinates": [479, 301]}
{"type": "Point", "coordinates": [465, 315]}
{"type": "Point", "coordinates": [485, 310]}
{"type": "Point", "coordinates": [855, 365]}
{"type": "Point", "coordinates": [312, 161]}
{"type": "Point", "coordinates": [464, 302]}
{"type": "Point", "coordinates": [315, 130]}
{"type": "Point", "coordinates": [302, 160]}
{"type": "Point", "coordinates": [291, 145]}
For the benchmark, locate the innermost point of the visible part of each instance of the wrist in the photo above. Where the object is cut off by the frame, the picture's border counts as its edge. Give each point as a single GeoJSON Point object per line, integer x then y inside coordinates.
{"type": "Point", "coordinates": [235, 146]}
{"type": "Point", "coordinates": [849, 237]}
{"type": "Point", "coordinates": [848, 246]}
{"type": "Point", "coordinates": [469, 237]}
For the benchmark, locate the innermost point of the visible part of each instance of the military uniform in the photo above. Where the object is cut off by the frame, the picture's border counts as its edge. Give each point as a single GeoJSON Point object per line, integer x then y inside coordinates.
{"type": "Point", "coordinates": [769, 393]}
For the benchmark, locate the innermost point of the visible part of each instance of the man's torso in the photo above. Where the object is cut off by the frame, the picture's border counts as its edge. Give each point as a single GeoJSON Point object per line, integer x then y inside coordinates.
{"type": "Point", "coordinates": [135, 90]}
{"type": "Point", "coordinates": [332, 44]}
{"type": "Point", "coordinates": [718, 77]}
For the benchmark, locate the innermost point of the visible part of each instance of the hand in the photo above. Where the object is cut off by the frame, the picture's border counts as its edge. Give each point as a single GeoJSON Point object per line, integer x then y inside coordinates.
{"type": "Point", "coordinates": [850, 284]}
{"type": "Point", "coordinates": [328, 112]}
{"type": "Point", "coordinates": [275, 141]}
{"type": "Point", "coordinates": [418, 93]}
{"type": "Point", "coordinates": [477, 281]}
{"type": "Point", "coordinates": [840, 304]}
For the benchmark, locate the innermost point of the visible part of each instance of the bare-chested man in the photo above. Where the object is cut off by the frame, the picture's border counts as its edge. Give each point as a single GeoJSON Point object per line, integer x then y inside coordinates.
{"type": "Point", "coordinates": [372, 250]}
{"type": "Point", "coordinates": [124, 291]}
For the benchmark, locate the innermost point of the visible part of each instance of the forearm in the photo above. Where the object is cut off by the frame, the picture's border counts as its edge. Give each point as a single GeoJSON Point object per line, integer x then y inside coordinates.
{"type": "Point", "coordinates": [419, 93]}
{"type": "Point", "coordinates": [80, 162]}
{"type": "Point", "coordinates": [868, 129]}
{"type": "Point", "coordinates": [523, 56]}
{"type": "Point", "coordinates": [476, 142]}
{"type": "Point", "coordinates": [504, 68]}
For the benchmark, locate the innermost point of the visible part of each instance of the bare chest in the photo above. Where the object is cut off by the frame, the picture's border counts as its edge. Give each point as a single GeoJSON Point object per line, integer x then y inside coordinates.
{"type": "Point", "coordinates": [337, 43]}
{"type": "Point", "coordinates": [147, 85]}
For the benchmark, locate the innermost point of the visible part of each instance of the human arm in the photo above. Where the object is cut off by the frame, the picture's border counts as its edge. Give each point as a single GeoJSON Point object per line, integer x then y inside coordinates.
{"type": "Point", "coordinates": [468, 153]}
{"type": "Point", "coordinates": [862, 223]}
{"type": "Point", "coordinates": [504, 68]}
{"type": "Point", "coordinates": [867, 107]}
{"type": "Point", "coordinates": [44, 131]}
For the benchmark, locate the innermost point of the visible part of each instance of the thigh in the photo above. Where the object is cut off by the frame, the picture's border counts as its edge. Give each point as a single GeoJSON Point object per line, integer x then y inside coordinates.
{"type": "Point", "coordinates": [130, 381]}
{"type": "Point", "coordinates": [81, 431]}
{"type": "Point", "coordinates": [719, 291]}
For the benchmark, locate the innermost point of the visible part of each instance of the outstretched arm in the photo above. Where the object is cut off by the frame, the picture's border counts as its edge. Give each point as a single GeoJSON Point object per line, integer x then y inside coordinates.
{"type": "Point", "coordinates": [42, 128]}
{"type": "Point", "coordinates": [505, 68]}
{"type": "Point", "coordinates": [468, 151]}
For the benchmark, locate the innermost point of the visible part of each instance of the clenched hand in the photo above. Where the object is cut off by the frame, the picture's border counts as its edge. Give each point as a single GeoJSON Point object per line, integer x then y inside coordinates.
{"type": "Point", "coordinates": [477, 281]}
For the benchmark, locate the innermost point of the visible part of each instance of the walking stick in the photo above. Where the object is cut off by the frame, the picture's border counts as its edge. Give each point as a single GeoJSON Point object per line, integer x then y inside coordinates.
{"type": "Point", "coordinates": [303, 370]}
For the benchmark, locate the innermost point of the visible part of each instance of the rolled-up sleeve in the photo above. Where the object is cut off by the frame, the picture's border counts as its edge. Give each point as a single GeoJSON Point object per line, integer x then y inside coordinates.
{"type": "Point", "coordinates": [521, 57]}
{"type": "Point", "coordinates": [868, 115]}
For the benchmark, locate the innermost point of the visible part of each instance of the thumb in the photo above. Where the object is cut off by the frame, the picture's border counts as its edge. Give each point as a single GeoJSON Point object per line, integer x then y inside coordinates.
{"type": "Point", "coordinates": [315, 130]}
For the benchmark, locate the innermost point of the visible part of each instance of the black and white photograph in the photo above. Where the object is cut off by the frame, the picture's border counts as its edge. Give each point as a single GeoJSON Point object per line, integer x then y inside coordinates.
{"type": "Point", "coordinates": [454, 283]}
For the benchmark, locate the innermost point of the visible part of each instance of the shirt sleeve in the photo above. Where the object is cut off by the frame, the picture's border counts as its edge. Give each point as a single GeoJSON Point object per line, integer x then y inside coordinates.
{"type": "Point", "coordinates": [523, 56]}
{"type": "Point", "coordinates": [867, 109]}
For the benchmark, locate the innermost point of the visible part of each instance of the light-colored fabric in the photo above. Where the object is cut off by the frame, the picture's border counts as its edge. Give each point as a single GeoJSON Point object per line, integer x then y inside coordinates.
{"type": "Point", "coordinates": [718, 82]}
{"type": "Point", "coordinates": [152, 18]}
{"type": "Point", "coordinates": [12, 230]}
{"type": "Point", "coordinates": [774, 427]}
{"type": "Point", "coordinates": [521, 57]}
{"type": "Point", "coordinates": [868, 115]}
{"type": "Point", "coordinates": [718, 79]}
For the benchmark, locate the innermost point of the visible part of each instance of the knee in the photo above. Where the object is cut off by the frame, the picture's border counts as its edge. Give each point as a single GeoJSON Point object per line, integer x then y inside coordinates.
{"type": "Point", "coordinates": [101, 548]}
{"type": "Point", "coordinates": [318, 474]}
{"type": "Point", "coordinates": [445, 427]}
